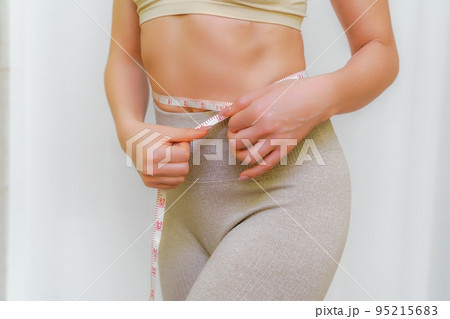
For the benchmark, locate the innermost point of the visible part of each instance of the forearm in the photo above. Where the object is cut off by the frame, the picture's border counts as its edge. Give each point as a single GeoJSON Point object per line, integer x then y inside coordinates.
{"type": "Point", "coordinates": [366, 75]}
{"type": "Point", "coordinates": [127, 91]}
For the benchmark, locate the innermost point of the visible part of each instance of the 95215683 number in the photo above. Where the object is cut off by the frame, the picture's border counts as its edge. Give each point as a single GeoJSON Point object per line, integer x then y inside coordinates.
{"type": "Point", "coordinates": [406, 310]}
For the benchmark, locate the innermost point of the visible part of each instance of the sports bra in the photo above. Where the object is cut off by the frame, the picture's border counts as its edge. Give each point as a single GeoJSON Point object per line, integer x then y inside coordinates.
{"type": "Point", "coordinates": [285, 12]}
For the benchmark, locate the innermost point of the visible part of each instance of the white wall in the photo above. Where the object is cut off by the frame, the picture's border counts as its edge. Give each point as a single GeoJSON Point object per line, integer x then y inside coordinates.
{"type": "Point", "coordinates": [4, 100]}
{"type": "Point", "coordinates": [396, 147]}
{"type": "Point", "coordinates": [75, 206]}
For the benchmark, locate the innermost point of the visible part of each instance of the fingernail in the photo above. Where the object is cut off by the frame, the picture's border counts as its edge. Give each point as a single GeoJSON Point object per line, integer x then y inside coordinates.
{"type": "Point", "coordinates": [242, 178]}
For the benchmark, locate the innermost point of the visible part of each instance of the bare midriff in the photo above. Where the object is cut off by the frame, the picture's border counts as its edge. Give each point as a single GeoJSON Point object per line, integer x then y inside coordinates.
{"type": "Point", "coordinates": [215, 58]}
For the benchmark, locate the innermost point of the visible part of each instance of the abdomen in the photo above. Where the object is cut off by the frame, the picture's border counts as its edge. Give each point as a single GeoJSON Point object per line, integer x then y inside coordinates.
{"type": "Point", "coordinates": [217, 58]}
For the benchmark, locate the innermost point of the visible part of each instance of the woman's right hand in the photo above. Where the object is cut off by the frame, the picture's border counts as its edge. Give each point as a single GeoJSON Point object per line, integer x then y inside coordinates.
{"type": "Point", "coordinates": [170, 174]}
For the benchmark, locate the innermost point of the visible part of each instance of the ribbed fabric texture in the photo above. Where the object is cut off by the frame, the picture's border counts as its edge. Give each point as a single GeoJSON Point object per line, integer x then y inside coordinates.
{"type": "Point", "coordinates": [265, 239]}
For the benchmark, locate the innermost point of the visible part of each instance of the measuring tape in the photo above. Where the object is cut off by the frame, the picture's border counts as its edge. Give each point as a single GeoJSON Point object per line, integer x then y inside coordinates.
{"type": "Point", "coordinates": [161, 195]}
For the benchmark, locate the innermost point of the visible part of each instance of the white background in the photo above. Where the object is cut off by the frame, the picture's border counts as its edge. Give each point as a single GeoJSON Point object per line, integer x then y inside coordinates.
{"type": "Point", "coordinates": [74, 206]}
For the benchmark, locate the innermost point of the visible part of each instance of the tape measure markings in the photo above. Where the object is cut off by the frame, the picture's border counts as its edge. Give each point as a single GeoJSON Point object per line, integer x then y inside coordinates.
{"type": "Point", "coordinates": [161, 196]}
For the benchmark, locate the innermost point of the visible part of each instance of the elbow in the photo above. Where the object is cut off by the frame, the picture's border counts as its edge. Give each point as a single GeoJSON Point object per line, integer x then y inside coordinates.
{"type": "Point", "coordinates": [388, 54]}
{"type": "Point", "coordinates": [395, 64]}
{"type": "Point", "coordinates": [391, 62]}
{"type": "Point", "coordinates": [393, 59]}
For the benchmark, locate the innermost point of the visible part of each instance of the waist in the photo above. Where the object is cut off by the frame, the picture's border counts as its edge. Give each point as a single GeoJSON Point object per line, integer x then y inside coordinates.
{"type": "Point", "coordinates": [217, 58]}
{"type": "Point", "coordinates": [211, 159]}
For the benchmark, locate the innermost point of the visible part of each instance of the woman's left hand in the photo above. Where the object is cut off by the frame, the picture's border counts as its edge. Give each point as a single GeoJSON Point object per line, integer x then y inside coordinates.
{"type": "Point", "coordinates": [267, 124]}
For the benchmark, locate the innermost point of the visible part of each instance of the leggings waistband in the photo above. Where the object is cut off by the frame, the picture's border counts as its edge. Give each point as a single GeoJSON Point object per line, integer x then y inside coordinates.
{"type": "Point", "coordinates": [223, 168]}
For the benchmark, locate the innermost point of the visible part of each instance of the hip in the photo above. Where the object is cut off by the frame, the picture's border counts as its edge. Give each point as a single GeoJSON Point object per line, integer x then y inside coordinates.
{"type": "Point", "coordinates": [211, 159]}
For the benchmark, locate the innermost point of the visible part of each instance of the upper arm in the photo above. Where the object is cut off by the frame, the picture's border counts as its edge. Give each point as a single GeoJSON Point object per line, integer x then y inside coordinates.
{"type": "Point", "coordinates": [125, 30]}
{"type": "Point", "coordinates": [375, 24]}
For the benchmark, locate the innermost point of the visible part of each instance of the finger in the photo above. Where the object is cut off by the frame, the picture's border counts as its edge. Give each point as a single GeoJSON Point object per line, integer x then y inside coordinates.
{"type": "Point", "coordinates": [242, 102]}
{"type": "Point", "coordinates": [177, 134]}
{"type": "Point", "coordinates": [271, 160]}
{"type": "Point", "coordinates": [256, 153]}
{"type": "Point", "coordinates": [165, 154]}
{"type": "Point", "coordinates": [237, 143]}
{"type": "Point", "coordinates": [188, 134]}
{"type": "Point", "coordinates": [164, 186]}
{"type": "Point", "coordinates": [179, 152]}
{"type": "Point", "coordinates": [247, 117]}
{"type": "Point", "coordinates": [242, 138]}
{"type": "Point", "coordinates": [167, 169]}
{"type": "Point", "coordinates": [185, 146]}
{"type": "Point", "coordinates": [248, 135]}
{"type": "Point", "coordinates": [155, 159]}
{"type": "Point", "coordinates": [152, 180]}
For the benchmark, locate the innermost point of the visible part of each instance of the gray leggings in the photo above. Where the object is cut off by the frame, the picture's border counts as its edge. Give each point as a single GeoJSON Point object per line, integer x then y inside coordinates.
{"type": "Point", "coordinates": [271, 238]}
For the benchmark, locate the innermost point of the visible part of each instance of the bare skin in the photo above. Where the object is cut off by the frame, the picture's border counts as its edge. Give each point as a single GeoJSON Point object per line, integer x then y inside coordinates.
{"type": "Point", "coordinates": [215, 58]}
{"type": "Point", "coordinates": [221, 62]}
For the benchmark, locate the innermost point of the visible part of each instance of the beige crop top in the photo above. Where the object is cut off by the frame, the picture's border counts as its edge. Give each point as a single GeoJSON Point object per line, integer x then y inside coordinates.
{"type": "Point", "coordinates": [285, 12]}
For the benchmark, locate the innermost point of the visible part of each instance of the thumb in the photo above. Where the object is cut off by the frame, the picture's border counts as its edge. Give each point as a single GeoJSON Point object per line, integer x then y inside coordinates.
{"type": "Point", "coordinates": [185, 134]}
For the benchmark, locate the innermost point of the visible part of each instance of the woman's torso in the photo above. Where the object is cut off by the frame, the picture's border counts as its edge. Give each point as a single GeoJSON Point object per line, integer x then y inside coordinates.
{"type": "Point", "coordinates": [216, 58]}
